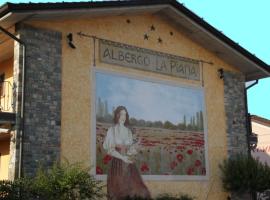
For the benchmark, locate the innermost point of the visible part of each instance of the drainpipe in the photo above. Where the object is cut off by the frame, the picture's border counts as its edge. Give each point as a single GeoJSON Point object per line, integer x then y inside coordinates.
{"type": "Point", "coordinates": [21, 119]}
{"type": "Point", "coordinates": [249, 128]}
{"type": "Point", "coordinates": [248, 122]}
{"type": "Point", "coordinates": [256, 82]}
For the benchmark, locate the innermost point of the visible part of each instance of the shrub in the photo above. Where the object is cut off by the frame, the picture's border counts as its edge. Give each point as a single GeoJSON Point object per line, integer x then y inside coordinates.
{"type": "Point", "coordinates": [245, 174]}
{"type": "Point", "coordinates": [62, 182]}
{"type": "Point", "coordinates": [7, 190]}
{"type": "Point", "coordinates": [169, 197]}
{"type": "Point", "coordinates": [163, 197]}
{"type": "Point", "coordinates": [137, 198]}
{"type": "Point", "coordinates": [15, 190]}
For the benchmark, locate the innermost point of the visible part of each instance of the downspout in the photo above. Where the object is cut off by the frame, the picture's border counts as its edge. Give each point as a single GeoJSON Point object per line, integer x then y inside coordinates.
{"type": "Point", "coordinates": [21, 119]}
{"type": "Point", "coordinates": [249, 129]}
{"type": "Point", "coordinates": [22, 113]}
{"type": "Point", "coordinates": [248, 123]}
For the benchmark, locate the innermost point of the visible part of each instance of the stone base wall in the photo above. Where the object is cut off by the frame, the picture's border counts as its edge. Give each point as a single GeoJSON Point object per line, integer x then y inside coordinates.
{"type": "Point", "coordinates": [235, 110]}
{"type": "Point", "coordinates": [42, 108]}
{"type": "Point", "coordinates": [236, 119]}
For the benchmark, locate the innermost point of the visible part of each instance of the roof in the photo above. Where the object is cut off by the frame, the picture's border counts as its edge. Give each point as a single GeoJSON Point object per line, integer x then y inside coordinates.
{"type": "Point", "coordinates": [260, 120]}
{"type": "Point", "coordinates": [177, 14]}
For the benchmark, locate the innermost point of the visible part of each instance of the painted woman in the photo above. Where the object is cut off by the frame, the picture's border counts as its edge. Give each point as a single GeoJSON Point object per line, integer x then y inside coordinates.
{"type": "Point", "coordinates": [124, 178]}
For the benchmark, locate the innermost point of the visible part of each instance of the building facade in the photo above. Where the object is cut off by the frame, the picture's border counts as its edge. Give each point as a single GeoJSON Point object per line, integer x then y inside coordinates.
{"type": "Point", "coordinates": [261, 127]}
{"type": "Point", "coordinates": [70, 65]}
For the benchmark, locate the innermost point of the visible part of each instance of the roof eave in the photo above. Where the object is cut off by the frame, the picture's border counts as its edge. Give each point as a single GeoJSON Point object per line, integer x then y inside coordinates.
{"type": "Point", "coordinates": [17, 12]}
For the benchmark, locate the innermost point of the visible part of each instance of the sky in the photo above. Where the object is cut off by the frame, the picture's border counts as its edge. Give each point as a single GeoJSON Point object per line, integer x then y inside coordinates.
{"type": "Point", "coordinates": [150, 101]}
{"type": "Point", "coordinates": [244, 21]}
{"type": "Point", "coordinates": [247, 23]}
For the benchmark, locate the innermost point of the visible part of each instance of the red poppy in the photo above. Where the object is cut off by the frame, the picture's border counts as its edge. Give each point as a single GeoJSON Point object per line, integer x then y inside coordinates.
{"type": "Point", "coordinates": [180, 147]}
{"type": "Point", "coordinates": [144, 167]}
{"type": "Point", "coordinates": [190, 151]}
{"type": "Point", "coordinates": [99, 170]}
{"type": "Point", "coordinates": [190, 171]}
{"type": "Point", "coordinates": [107, 159]}
{"type": "Point", "coordinates": [179, 157]}
{"type": "Point", "coordinates": [173, 164]}
{"type": "Point", "coordinates": [198, 163]}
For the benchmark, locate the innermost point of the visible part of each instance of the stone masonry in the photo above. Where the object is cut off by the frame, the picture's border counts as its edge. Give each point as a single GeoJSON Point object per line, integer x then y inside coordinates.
{"type": "Point", "coordinates": [42, 111]}
{"type": "Point", "coordinates": [235, 109]}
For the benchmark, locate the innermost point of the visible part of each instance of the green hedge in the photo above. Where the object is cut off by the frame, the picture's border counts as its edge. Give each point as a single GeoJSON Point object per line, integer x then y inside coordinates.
{"type": "Point", "coordinates": [245, 174]}
{"type": "Point", "coordinates": [164, 197]}
{"type": "Point", "coordinates": [62, 182]}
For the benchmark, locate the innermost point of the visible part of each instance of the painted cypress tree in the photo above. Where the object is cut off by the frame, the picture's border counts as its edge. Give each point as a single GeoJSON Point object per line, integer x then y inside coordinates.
{"type": "Point", "coordinates": [198, 125]}
{"type": "Point", "coordinates": [201, 120]}
{"type": "Point", "coordinates": [185, 122]}
{"type": "Point", "coordinates": [106, 112]}
{"type": "Point", "coordinates": [99, 107]}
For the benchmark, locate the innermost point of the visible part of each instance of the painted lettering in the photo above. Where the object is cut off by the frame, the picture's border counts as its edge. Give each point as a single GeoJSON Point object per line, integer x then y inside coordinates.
{"type": "Point", "coordinates": [106, 53]}
{"type": "Point", "coordinates": [121, 56]}
{"type": "Point", "coordinates": [113, 55]}
{"type": "Point", "coordinates": [192, 71]}
{"type": "Point", "coordinates": [146, 61]}
{"type": "Point", "coordinates": [173, 64]}
{"type": "Point", "coordinates": [135, 57]}
{"type": "Point", "coordinates": [181, 69]}
{"type": "Point", "coordinates": [140, 61]}
{"type": "Point", "coordinates": [163, 66]}
{"type": "Point", "coordinates": [128, 58]}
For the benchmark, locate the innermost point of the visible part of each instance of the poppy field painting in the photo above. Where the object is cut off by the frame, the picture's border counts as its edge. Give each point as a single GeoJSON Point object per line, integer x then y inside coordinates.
{"type": "Point", "coordinates": [167, 122]}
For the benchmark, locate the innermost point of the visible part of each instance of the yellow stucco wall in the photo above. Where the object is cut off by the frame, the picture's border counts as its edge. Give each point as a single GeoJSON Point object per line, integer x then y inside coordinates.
{"type": "Point", "coordinates": [6, 67]}
{"type": "Point", "coordinates": [4, 160]}
{"type": "Point", "coordinates": [77, 69]}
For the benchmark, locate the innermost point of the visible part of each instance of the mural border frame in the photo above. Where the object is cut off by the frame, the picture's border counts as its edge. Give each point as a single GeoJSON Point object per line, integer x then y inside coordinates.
{"type": "Point", "coordinates": [131, 75]}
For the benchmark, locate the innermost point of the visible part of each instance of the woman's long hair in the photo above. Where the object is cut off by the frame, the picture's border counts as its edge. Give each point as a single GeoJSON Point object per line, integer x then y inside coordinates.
{"type": "Point", "coordinates": [117, 115]}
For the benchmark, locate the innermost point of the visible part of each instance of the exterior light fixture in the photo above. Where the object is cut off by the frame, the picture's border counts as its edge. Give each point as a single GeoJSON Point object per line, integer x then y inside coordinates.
{"type": "Point", "coordinates": [253, 141]}
{"type": "Point", "coordinates": [221, 73]}
{"type": "Point", "coordinates": [70, 41]}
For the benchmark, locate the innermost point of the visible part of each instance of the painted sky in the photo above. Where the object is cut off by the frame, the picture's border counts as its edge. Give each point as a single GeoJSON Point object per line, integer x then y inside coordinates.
{"type": "Point", "coordinates": [150, 101]}
{"type": "Point", "coordinates": [245, 22]}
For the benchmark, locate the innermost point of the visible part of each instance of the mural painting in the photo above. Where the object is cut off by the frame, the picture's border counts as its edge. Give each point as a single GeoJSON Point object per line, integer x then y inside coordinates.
{"type": "Point", "coordinates": [155, 128]}
{"type": "Point", "coordinates": [124, 179]}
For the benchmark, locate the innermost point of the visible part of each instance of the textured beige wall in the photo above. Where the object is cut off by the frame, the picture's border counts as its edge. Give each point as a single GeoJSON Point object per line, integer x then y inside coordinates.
{"type": "Point", "coordinates": [4, 159]}
{"type": "Point", "coordinates": [76, 89]}
{"type": "Point", "coordinates": [6, 67]}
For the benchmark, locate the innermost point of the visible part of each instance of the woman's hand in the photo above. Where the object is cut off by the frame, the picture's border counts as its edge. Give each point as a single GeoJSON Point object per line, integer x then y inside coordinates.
{"type": "Point", "coordinates": [132, 151]}
{"type": "Point", "coordinates": [127, 160]}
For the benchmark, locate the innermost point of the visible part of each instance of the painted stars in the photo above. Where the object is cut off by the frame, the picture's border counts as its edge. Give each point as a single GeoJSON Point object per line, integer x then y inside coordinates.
{"type": "Point", "coordinates": [152, 34]}
{"type": "Point", "coordinates": [159, 40]}
{"type": "Point", "coordinates": [146, 36]}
